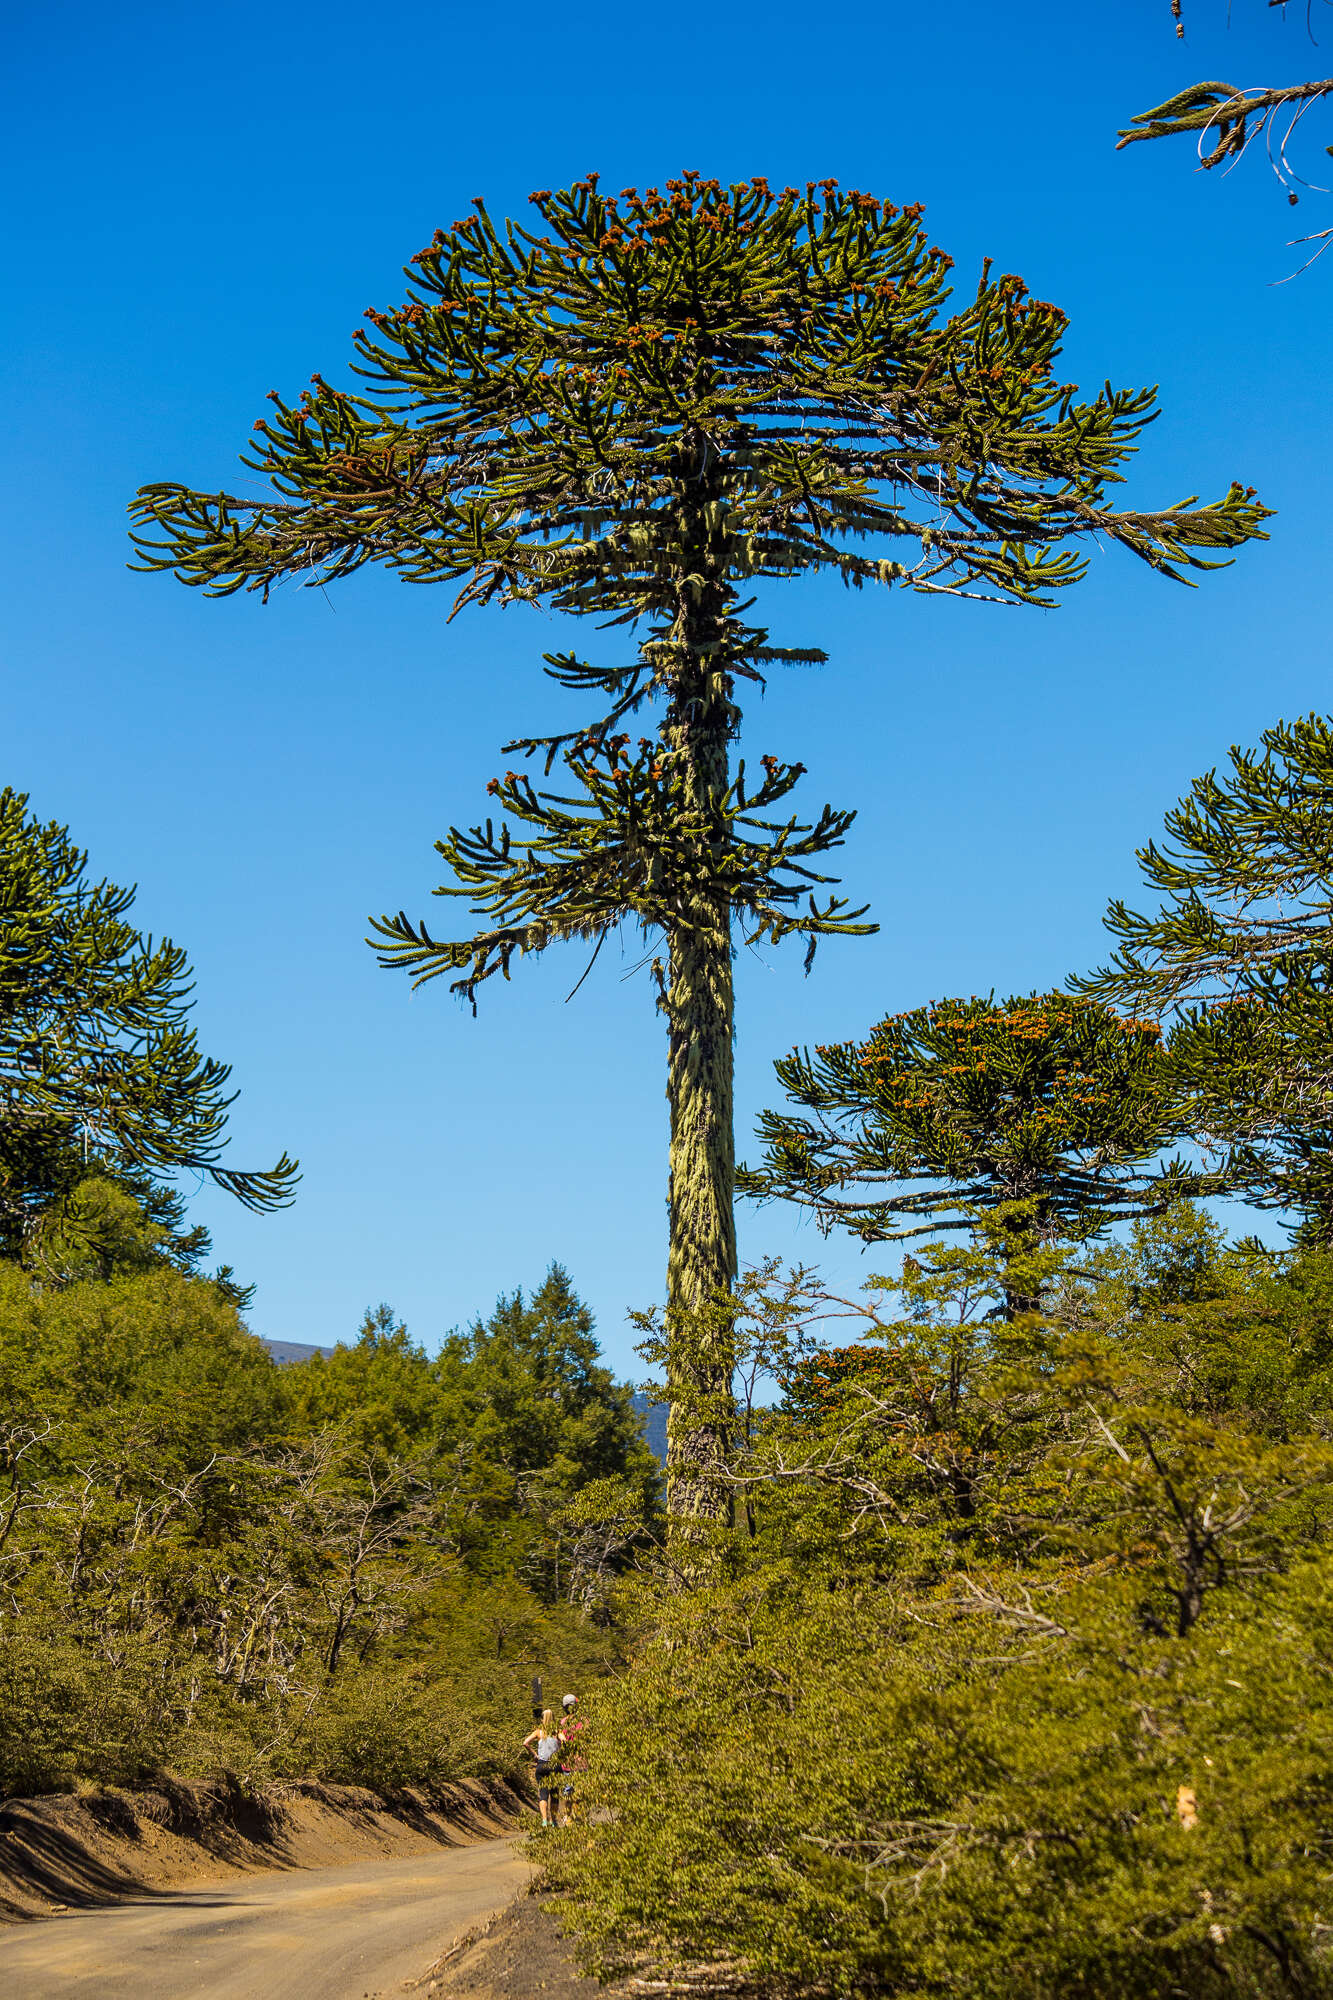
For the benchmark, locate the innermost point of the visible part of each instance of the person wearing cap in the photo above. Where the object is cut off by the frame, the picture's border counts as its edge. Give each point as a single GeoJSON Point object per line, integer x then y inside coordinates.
{"type": "Point", "coordinates": [572, 1759]}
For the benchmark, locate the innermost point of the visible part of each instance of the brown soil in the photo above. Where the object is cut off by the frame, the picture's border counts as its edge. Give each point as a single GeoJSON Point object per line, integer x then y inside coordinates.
{"type": "Point", "coordinates": [517, 1955]}
{"type": "Point", "coordinates": [102, 1847]}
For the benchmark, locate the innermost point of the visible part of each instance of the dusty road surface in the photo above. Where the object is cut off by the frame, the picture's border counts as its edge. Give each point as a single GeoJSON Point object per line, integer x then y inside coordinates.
{"type": "Point", "coordinates": [307, 1934]}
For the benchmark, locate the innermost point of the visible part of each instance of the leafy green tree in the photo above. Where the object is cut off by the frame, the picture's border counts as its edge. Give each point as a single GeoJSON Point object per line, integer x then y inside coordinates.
{"type": "Point", "coordinates": [1041, 1109]}
{"type": "Point", "coordinates": [637, 410]}
{"type": "Point", "coordinates": [151, 1345]}
{"type": "Point", "coordinates": [50, 1167]}
{"type": "Point", "coordinates": [519, 1415]}
{"type": "Point", "coordinates": [184, 1579]}
{"type": "Point", "coordinates": [97, 1061]}
{"type": "Point", "coordinates": [80, 1224]}
{"type": "Point", "coordinates": [380, 1384]}
{"type": "Point", "coordinates": [208, 1561]}
{"type": "Point", "coordinates": [97, 1231]}
{"type": "Point", "coordinates": [1239, 959]}
{"type": "Point", "coordinates": [526, 1395]}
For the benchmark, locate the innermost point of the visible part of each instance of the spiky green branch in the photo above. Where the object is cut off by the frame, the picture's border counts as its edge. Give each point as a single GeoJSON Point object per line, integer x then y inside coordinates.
{"type": "Point", "coordinates": [96, 1051]}
{"type": "Point", "coordinates": [630, 846]}
{"type": "Point", "coordinates": [1238, 957]}
{"type": "Point", "coordinates": [1049, 1111]}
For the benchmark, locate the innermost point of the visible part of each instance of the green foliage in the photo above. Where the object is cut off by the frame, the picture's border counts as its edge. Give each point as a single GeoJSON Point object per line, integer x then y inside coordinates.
{"type": "Point", "coordinates": [1014, 1677]}
{"type": "Point", "coordinates": [350, 1567]}
{"type": "Point", "coordinates": [51, 1169]}
{"type": "Point", "coordinates": [390, 1730]}
{"type": "Point", "coordinates": [519, 1416]}
{"type": "Point", "coordinates": [850, 1802]}
{"type": "Point", "coordinates": [104, 1225]}
{"type": "Point", "coordinates": [100, 1065]}
{"type": "Point", "coordinates": [528, 1389]}
{"type": "Point", "coordinates": [620, 849]}
{"type": "Point", "coordinates": [379, 1387]}
{"type": "Point", "coordinates": [1240, 958]}
{"type": "Point", "coordinates": [587, 357]}
{"type": "Point", "coordinates": [1047, 1109]}
{"type": "Point", "coordinates": [152, 1346]}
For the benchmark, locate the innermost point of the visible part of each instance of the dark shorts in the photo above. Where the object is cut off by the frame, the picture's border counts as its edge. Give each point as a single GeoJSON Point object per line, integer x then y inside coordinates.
{"type": "Point", "coordinates": [548, 1785]}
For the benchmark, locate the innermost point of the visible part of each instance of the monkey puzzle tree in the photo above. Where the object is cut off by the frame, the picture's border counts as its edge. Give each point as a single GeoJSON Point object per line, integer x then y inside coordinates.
{"type": "Point", "coordinates": [1239, 959]}
{"type": "Point", "coordinates": [636, 411]}
{"type": "Point", "coordinates": [97, 1061]}
{"type": "Point", "coordinates": [1043, 1108]}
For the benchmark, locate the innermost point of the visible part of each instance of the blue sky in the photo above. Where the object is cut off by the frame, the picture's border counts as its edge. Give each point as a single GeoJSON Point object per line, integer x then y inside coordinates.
{"type": "Point", "coordinates": [202, 203]}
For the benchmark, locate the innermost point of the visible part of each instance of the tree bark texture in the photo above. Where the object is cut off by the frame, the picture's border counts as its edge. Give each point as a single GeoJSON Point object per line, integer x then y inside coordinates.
{"type": "Point", "coordinates": [701, 1259]}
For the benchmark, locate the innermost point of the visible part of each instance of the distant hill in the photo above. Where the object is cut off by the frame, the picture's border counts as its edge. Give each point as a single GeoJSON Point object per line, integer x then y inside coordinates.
{"type": "Point", "coordinates": [293, 1350]}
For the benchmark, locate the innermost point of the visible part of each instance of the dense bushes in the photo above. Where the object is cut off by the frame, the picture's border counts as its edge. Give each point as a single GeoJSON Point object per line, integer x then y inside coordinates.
{"type": "Point", "coordinates": [348, 1568]}
{"type": "Point", "coordinates": [1017, 1675]}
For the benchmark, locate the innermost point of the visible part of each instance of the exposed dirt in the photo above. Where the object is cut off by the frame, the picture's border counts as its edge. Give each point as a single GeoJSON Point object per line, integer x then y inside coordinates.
{"type": "Point", "coordinates": [360, 1931]}
{"type": "Point", "coordinates": [518, 1955]}
{"type": "Point", "coordinates": [306, 1892]}
{"type": "Point", "coordinates": [78, 1851]}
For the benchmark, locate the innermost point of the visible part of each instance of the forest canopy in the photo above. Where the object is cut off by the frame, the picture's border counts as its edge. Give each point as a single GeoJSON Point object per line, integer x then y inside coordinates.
{"type": "Point", "coordinates": [348, 1567]}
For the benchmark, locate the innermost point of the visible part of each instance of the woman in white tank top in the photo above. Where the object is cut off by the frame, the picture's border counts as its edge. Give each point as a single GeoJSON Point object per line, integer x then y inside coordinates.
{"type": "Point", "coordinates": [544, 1743]}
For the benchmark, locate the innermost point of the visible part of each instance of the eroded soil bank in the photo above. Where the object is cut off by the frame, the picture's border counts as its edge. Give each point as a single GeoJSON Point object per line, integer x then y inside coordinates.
{"type": "Point", "coordinates": [75, 1850]}
{"type": "Point", "coordinates": [517, 1955]}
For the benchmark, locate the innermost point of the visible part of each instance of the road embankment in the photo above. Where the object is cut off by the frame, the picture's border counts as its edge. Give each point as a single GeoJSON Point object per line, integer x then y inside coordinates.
{"type": "Point", "coordinates": [79, 1850]}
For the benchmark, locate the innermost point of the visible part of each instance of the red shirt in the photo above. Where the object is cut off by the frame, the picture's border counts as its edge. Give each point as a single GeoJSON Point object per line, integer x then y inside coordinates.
{"type": "Point", "coordinates": [573, 1759]}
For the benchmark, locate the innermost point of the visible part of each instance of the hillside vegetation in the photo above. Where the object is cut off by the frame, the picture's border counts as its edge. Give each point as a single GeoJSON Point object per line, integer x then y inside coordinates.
{"type": "Point", "coordinates": [347, 1568]}
{"type": "Point", "coordinates": [1016, 1673]}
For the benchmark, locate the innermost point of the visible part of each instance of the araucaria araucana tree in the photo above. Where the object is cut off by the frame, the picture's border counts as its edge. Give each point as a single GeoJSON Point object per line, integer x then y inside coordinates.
{"type": "Point", "coordinates": [96, 1051]}
{"type": "Point", "coordinates": [1047, 1110]}
{"type": "Point", "coordinates": [636, 411]}
{"type": "Point", "coordinates": [1238, 959]}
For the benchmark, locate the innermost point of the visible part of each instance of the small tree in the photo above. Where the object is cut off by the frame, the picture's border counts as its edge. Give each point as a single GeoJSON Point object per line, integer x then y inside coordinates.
{"type": "Point", "coordinates": [1042, 1110]}
{"type": "Point", "coordinates": [97, 1061]}
{"type": "Point", "coordinates": [637, 411]}
{"type": "Point", "coordinates": [1240, 958]}
{"type": "Point", "coordinates": [529, 1387]}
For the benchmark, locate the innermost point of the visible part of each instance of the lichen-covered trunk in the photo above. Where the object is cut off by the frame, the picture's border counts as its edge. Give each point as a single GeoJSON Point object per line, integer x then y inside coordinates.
{"type": "Point", "coordinates": [701, 1260]}
{"type": "Point", "coordinates": [1025, 1230]}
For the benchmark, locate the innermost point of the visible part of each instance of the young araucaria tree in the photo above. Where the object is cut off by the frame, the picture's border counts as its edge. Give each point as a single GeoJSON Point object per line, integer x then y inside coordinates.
{"type": "Point", "coordinates": [1045, 1111]}
{"type": "Point", "coordinates": [1238, 959]}
{"type": "Point", "coordinates": [636, 410]}
{"type": "Point", "coordinates": [100, 1072]}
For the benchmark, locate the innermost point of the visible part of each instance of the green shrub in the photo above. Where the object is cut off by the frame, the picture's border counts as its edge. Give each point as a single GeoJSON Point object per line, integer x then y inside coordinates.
{"type": "Point", "coordinates": [383, 1728]}
{"type": "Point", "coordinates": [1016, 1675]}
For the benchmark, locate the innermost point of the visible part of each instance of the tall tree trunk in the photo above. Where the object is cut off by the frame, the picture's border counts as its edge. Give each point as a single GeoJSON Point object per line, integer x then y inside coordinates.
{"type": "Point", "coordinates": [701, 1260]}
{"type": "Point", "coordinates": [1023, 1236]}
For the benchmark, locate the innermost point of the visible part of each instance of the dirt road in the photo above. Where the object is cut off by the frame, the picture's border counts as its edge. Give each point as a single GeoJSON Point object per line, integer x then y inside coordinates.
{"type": "Point", "coordinates": [308, 1934]}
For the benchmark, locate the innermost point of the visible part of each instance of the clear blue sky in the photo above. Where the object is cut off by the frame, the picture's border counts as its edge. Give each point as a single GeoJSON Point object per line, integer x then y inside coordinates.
{"type": "Point", "coordinates": [202, 200]}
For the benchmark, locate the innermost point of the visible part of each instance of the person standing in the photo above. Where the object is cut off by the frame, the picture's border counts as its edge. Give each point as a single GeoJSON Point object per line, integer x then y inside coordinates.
{"type": "Point", "coordinates": [572, 1756]}
{"type": "Point", "coordinates": [544, 1743]}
